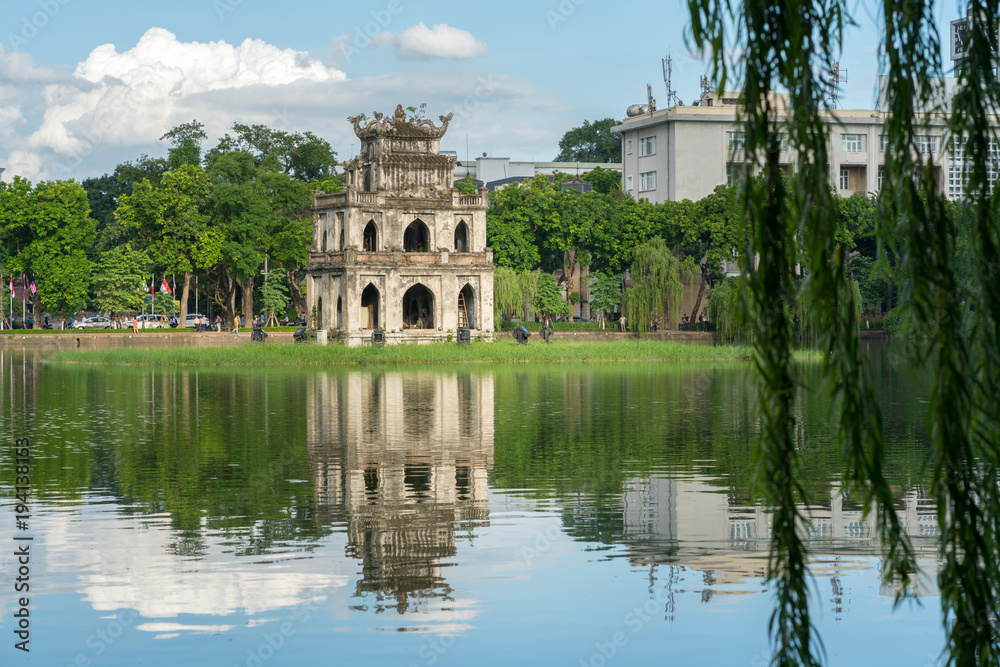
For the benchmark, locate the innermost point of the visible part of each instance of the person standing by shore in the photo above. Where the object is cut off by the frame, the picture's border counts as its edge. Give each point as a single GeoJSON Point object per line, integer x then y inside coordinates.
{"type": "Point", "coordinates": [622, 320]}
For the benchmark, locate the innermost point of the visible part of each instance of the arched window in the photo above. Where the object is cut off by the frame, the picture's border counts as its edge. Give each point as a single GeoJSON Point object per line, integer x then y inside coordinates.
{"type": "Point", "coordinates": [370, 242]}
{"type": "Point", "coordinates": [462, 237]}
{"type": "Point", "coordinates": [467, 307]}
{"type": "Point", "coordinates": [319, 313]}
{"type": "Point", "coordinates": [417, 238]}
{"type": "Point", "coordinates": [340, 313]}
{"type": "Point", "coordinates": [418, 308]}
{"type": "Point", "coordinates": [369, 307]}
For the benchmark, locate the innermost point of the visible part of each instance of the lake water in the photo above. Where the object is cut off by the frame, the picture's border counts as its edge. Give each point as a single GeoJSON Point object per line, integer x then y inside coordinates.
{"type": "Point", "coordinates": [590, 514]}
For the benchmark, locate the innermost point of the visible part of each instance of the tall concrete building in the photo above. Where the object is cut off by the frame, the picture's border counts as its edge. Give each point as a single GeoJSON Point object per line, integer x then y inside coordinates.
{"type": "Point", "coordinates": [400, 250]}
{"type": "Point", "coordinates": [685, 152]}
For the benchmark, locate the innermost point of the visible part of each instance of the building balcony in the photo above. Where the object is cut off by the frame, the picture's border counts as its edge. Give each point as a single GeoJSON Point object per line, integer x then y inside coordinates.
{"type": "Point", "coordinates": [354, 257]}
{"type": "Point", "coordinates": [352, 197]}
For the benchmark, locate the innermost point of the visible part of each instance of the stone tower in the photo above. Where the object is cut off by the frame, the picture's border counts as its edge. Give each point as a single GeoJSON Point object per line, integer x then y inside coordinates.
{"type": "Point", "coordinates": [400, 250]}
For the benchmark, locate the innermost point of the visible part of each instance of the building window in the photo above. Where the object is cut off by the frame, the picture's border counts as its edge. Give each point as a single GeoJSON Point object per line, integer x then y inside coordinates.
{"type": "Point", "coordinates": [737, 140]}
{"type": "Point", "coordinates": [958, 170]}
{"type": "Point", "coordinates": [883, 142]}
{"type": "Point", "coordinates": [845, 179]}
{"type": "Point", "coordinates": [881, 177]}
{"type": "Point", "coordinates": [647, 181]}
{"type": "Point", "coordinates": [850, 143]}
{"type": "Point", "coordinates": [628, 146]}
{"type": "Point", "coordinates": [926, 143]}
{"type": "Point", "coordinates": [647, 146]}
{"type": "Point", "coordinates": [735, 173]}
{"type": "Point", "coordinates": [628, 183]}
{"type": "Point", "coordinates": [783, 141]}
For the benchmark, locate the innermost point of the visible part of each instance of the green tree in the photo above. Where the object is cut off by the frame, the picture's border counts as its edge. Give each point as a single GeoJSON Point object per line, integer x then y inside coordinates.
{"type": "Point", "coordinates": [568, 228]}
{"type": "Point", "coordinates": [173, 221]}
{"type": "Point", "coordinates": [303, 156]}
{"type": "Point", "coordinates": [103, 193]}
{"type": "Point", "coordinates": [274, 295]}
{"type": "Point", "coordinates": [262, 213]}
{"type": "Point", "coordinates": [709, 235]}
{"type": "Point", "coordinates": [591, 142]}
{"type": "Point", "coordinates": [185, 141]}
{"type": "Point", "coordinates": [513, 293]}
{"type": "Point", "coordinates": [466, 186]}
{"type": "Point", "coordinates": [605, 293]}
{"type": "Point", "coordinates": [45, 231]}
{"type": "Point", "coordinates": [628, 223]}
{"type": "Point", "coordinates": [605, 181]}
{"type": "Point", "coordinates": [510, 225]}
{"type": "Point", "coordinates": [119, 283]}
{"type": "Point", "coordinates": [791, 47]}
{"type": "Point", "coordinates": [548, 301]}
{"type": "Point", "coordinates": [656, 286]}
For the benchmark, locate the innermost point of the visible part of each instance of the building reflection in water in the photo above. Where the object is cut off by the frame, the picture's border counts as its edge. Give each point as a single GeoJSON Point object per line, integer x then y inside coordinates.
{"type": "Point", "coordinates": [401, 459]}
{"type": "Point", "coordinates": [688, 522]}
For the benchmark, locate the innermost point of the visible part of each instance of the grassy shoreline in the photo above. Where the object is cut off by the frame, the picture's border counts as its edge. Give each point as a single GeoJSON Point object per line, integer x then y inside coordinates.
{"type": "Point", "coordinates": [501, 351]}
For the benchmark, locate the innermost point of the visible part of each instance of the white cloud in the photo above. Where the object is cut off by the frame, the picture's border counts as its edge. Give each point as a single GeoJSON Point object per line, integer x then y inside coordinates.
{"type": "Point", "coordinates": [442, 41]}
{"type": "Point", "coordinates": [20, 68]}
{"type": "Point", "coordinates": [114, 106]}
{"type": "Point", "coordinates": [126, 98]}
{"type": "Point", "coordinates": [9, 115]}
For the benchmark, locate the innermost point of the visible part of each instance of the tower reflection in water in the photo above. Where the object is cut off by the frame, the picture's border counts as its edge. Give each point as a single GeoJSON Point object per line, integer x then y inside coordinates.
{"type": "Point", "coordinates": [401, 459]}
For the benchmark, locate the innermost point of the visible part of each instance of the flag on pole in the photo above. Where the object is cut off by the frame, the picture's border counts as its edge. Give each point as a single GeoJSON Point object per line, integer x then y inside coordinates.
{"type": "Point", "coordinates": [12, 287]}
{"type": "Point", "coordinates": [33, 288]}
{"type": "Point", "coordinates": [164, 287]}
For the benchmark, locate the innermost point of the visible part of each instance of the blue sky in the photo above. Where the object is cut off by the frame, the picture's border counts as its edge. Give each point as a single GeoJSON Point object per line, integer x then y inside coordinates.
{"type": "Point", "coordinates": [83, 88]}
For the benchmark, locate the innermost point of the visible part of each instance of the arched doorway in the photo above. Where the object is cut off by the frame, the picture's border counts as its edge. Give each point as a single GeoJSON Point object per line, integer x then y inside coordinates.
{"type": "Point", "coordinates": [418, 308]}
{"type": "Point", "coordinates": [370, 241]}
{"type": "Point", "coordinates": [417, 238]}
{"type": "Point", "coordinates": [340, 313]}
{"type": "Point", "coordinates": [369, 307]}
{"type": "Point", "coordinates": [319, 313]}
{"type": "Point", "coordinates": [462, 237]}
{"type": "Point", "coordinates": [467, 307]}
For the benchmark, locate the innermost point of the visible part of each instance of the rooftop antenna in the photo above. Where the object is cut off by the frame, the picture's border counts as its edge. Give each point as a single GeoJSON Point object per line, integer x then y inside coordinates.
{"type": "Point", "coordinates": [837, 76]}
{"type": "Point", "coordinates": [672, 99]}
{"type": "Point", "coordinates": [651, 101]}
{"type": "Point", "coordinates": [706, 87]}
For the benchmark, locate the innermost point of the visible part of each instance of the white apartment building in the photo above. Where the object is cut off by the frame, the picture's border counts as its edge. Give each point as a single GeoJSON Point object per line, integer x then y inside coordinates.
{"type": "Point", "coordinates": [684, 152]}
{"type": "Point", "coordinates": [496, 172]}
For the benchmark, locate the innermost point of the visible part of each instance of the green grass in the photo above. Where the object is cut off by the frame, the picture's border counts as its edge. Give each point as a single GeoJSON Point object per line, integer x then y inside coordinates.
{"type": "Point", "coordinates": [501, 351]}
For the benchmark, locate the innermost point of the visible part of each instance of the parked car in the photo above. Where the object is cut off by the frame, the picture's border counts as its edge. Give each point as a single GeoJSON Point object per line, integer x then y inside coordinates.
{"type": "Point", "coordinates": [93, 323]}
{"type": "Point", "coordinates": [191, 317]}
{"type": "Point", "coordinates": [147, 322]}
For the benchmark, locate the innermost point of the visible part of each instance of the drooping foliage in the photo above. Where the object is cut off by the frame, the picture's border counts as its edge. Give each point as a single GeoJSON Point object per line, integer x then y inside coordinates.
{"type": "Point", "coordinates": [513, 293]}
{"type": "Point", "coordinates": [788, 46]}
{"type": "Point", "coordinates": [656, 286]}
